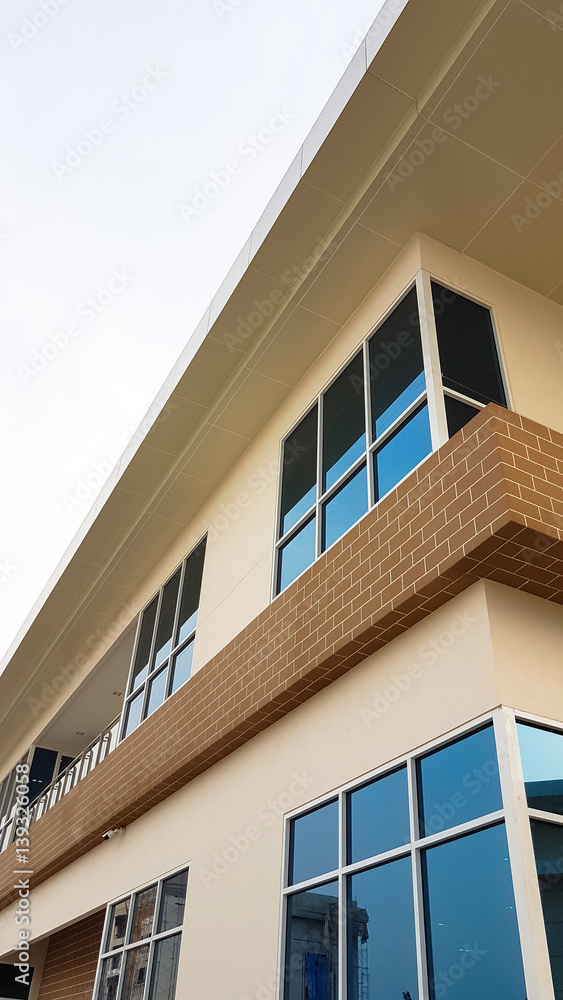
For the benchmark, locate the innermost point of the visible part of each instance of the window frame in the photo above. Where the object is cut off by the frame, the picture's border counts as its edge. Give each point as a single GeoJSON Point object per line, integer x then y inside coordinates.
{"type": "Point", "coordinates": [432, 395]}
{"type": "Point", "coordinates": [131, 693]}
{"type": "Point", "coordinates": [153, 938]}
{"type": "Point", "coordinates": [514, 815]}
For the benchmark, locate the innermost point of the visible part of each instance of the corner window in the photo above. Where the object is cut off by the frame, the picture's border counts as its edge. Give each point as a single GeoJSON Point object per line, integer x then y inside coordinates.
{"type": "Point", "coordinates": [382, 416]}
{"type": "Point", "coordinates": [163, 652]}
{"type": "Point", "coordinates": [407, 877]}
{"type": "Point", "coordinates": [141, 943]}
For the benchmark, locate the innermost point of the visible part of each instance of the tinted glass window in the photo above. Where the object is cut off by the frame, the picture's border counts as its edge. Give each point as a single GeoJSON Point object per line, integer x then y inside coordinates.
{"type": "Point", "coordinates": [136, 962]}
{"type": "Point", "coordinates": [402, 452]}
{"type": "Point", "coordinates": [166, 619]}
{"type": "Point", "coordinates": [191, 592]}
{"type": "Point", "coordinates": [133, 716]}
{"type": "Point", "coordinates": [458, 414]}
{"type": "Point", "coordinates": [109, 978]}
{"type": "Point", "coordinates": [172, 902]}
{"type": "Point", "coordinates": [345, 507]}
{"type": "Point", "coordinates": [458, 783]}
{"type": "Point", "coordinates": [143, 914]}
{"type": "Point", "coordinates": [311, 967]}
{"type": "Point", "coordinates": [395, 361]}
{"type": "Point", "coordinates": [296, 555]}
{"type": "Point", "coordinates": [182, 667]}
{"type": "Point", "coordinates": [157, 691]}
{"type": "Point", "coordinates": [344, 423]}
{"type": "Point", "coordinates": [468, 356]}
{"type": "Point", "coordinates": [299, 474]}
{"type": "Point", "coordinates": [142, 656]}
{"type": "Point", "coordinates": [548, 849]}
{"type": "Point", "coordinates": [380, 915]}
{"type": "Point", "coordinates": [165, 968]}
{"type": "Point", "coordinates": [472, 936]}
{"type": "Point", "coordinates": [117, 925]}
{"type": "Point", "coordinates": [41, 771]}
{"type": "Point", "coordinates": [314, 843]}
{"type": "Point", "coordinates": [541, 753]}
{"type": "Point", "coordinates": [378, 817]}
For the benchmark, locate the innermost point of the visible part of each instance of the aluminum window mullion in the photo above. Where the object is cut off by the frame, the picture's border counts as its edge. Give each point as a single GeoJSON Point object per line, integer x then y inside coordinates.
{"type": "Point", "coordinates": [367, 417]}
{"type": "Point", "coordinates": [397, 423]}
{"type": "Point", "coordinates": [529, 913]}
{"type": "Point", "coordinates": [417, 885]}
{"type": "Point", "coordinates": [149, 968]}
{"type": "Point", "coordinates": [432, 371]}
{"type": "Point", "coordinates": [342, 480]}
{"type": "Point", "coordinates": [342, 898]}
{"type": "Point", "coordinates": [318, 505]}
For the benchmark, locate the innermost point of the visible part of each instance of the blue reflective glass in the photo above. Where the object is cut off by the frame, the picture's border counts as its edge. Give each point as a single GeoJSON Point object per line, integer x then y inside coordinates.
{"type": "Point", "coordinates": [402, 452]}
{"type": "Point", "coordinates": [471, 930]}
{"type": "Point", "coordinates": [182, 667]}
{"type": "Point", "coordinates": [344, 422]}
{"type": "Point", "coordinates": [313, 846]}
{"type": "Point", "coordinates": [381, 936]}
{"type": "Point", "coordinates": [311, 965]}
{"type": "Point", "coordinates": [548, 849]}
{"type": "Point", "coordinates": [400, 404]}
{"type": "Point", "coordinates": [541, 752]}
{"type": "Point", "coordinates": [296, 555]}
{"type": "Point", "coordinates": [345, 507]}
{"type": "Point", "coordinates": [458, 783]}
{"type": "Point", "coordinates": [299, 474]}
{"type": "Point", "coordinates": [134, 713]}
{"type": "Point", "coordinates": [378, 816]}
{"type": "Point", "coordinates": [157, 690]}
{"type": "Point", "coordinates": [395, 364]}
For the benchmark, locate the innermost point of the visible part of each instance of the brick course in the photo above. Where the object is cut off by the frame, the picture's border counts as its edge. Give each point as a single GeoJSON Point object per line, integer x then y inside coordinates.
{"type": "Point", "coordinates": [72, 957]}
{"type": "Point", "coordinates": [488, 504]}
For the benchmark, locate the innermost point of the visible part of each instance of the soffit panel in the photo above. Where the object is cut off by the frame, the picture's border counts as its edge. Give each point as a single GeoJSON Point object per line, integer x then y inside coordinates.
{"type": "Point", "coordinates": [557, 294]}
{"type": "Point", "coordinates": [299, 342]}
{"type": "Point", "coordinates": [447, 190]}
{"type": "Point", "coordinates": [179, 417]}
{"type": "Point", "coordinates": [426, 32]}
{"type": "Point", "coordinates": [521, 115]}
{"type": "Point", "coordinates": [121, 510]}
{"type": "Point", "coordinates": [247, 420]}
{"type": "Point", "coordinates": [217, 450]}
{"type": "Point", "coordinates": [77, 577]}
{"type": "Point", "coordinates": [145, 471]}
{"type": "Point", "coordinates": [108, 597]}
{"type": "Point", "coordinates": [373, 114]}
{"type": "Point", "coordinates": [257, 300]}
{"type": "Point", "coordinates": [182, 498]}
{"type": "Point", "coordinates": [213, 365]}
{"type": "Point", "coordinates": [528, 251]}
{"type": "Point", "coordinates": [154, 535]}
{"type": "Point", "coordinates": [99, 545]}
{"type": "Point", "coordinates": [551, 165]}
{"type": "Point", "coordinates": [129, 566]}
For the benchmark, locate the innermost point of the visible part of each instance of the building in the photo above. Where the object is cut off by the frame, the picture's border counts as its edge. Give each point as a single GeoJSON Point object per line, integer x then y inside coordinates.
{"type": "Point", "coordinates": [288, 721]}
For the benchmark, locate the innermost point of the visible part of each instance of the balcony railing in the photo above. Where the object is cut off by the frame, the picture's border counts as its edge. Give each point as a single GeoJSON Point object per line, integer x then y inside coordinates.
{"type": "Point", "coordinates": [74, 772]}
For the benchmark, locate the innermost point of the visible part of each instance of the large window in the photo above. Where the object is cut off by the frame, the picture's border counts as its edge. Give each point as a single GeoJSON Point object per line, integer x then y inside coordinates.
{"type": "Point", "coordinates": [409, 387]}
{"type": "Point", "coordinates": [141, 943]}
{"type": "Point", "coordinates": [164, 646]}
{"type": "Point", "coordinates": [400, 888]}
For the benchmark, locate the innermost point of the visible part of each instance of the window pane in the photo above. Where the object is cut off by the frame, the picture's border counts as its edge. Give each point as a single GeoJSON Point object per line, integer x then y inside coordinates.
{"type": "Point", "coordinates": [297, 554]}
{"type": "Point", "coordinates": [165, 968]}
{"type": "Point", "coordinates": [299, 473]}
{"type": "Point", "coordinates": [191, 592]}
{"type": "Point", "coordinates": [458, 783]}
{"type": "Point", "coordinates": [548, 848]}
{"type": "Point", "coordinates": [344, 422]}
{"type": "Point", "coordinates": [143, 914]}
{"type": "Point", "coordinates": [378, 817]}
{"type": "Point", "coordinates": [135, 973]}
{"type": "Point", "coordinates": [395, 364]}
{"type": "Point", "coordinates": [117, 925]}
{"type": "Point", "coordinates": [109, 978]}
{"type": "Point", "coordinates": [182, 667]}
{"type": "Point", "coordinates": [157, 691]}
{"type": "Point", "coordinates": [468, 356]}
{"type": "Point", "coordinates": [41, 771]}
{"type": "Point", "coordinates": [458, 414]}
{"type": "Point", "coordinates": [142, 656]}
{"type": "Point", "coordinates": [380, 915]}
{"type": "Point", "coordinates": [311, 967]}
{"type": "Point", "coordinates": [133, 713]}
{"type": "Point", "coordinates": [471, 931]}
{"type": "Point", "coordinates": [314, 843]}
{"type": "Point", "coordinates": [166, 619]}
{"type": "Point", "coordinates": [542, 762]}
{"type": "Point", "coordinates": [172, 902]}
{"type": "Point", "coordinates": [405, 449]}
{"type": "Point", "coordinates": [346, 507]}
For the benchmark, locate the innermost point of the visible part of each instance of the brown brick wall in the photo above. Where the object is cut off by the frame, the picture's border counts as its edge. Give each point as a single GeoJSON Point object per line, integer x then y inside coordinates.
{"type": "Point", "coordinates": [70, 964]}
{"type": "Point", "coordinates": [488, 504]}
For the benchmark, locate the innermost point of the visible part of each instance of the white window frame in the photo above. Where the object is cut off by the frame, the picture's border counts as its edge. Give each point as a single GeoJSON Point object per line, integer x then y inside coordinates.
{"type": "Point", "coordinates": [432, 394]}
{"type": "Point", "coordinates": [515, 815]}
{"type": "Point", "coordinates": [151, 940]}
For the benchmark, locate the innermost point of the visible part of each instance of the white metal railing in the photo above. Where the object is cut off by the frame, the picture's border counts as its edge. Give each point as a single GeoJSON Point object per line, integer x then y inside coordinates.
{"type": "Point", "coordinates": [91, 756]}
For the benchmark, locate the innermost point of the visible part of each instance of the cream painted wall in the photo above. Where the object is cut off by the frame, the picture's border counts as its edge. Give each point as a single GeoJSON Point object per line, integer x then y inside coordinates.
{"type": "Point", "coordinates": [359, 723]}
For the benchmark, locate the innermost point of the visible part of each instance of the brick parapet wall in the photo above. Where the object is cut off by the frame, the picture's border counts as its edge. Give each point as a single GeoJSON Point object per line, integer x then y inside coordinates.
{"type": "Point", "coordinates": [488, 504]}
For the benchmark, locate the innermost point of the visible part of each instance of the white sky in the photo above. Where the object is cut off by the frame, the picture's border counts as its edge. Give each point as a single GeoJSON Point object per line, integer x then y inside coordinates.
{"type": "Point", "coordinates": [218, 72]}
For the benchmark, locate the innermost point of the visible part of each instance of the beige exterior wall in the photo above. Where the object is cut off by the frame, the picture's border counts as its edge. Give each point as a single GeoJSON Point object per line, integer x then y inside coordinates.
{"type": "Point", "coordinates": [357, 724]}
